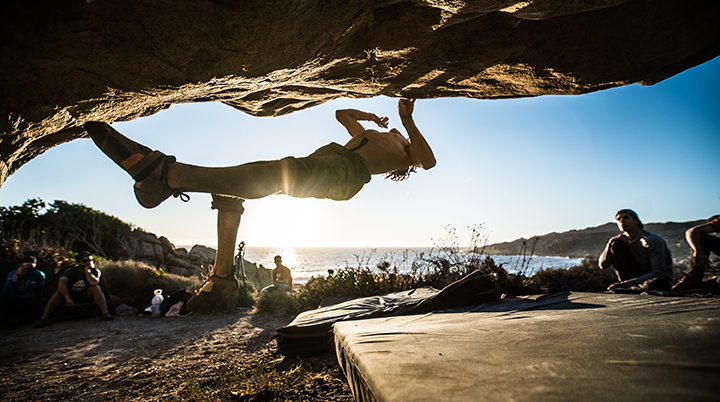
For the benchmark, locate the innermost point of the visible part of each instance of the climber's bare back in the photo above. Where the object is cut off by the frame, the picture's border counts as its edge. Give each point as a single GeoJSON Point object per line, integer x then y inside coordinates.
{"type": "Point", "coordinates": [384, 151]}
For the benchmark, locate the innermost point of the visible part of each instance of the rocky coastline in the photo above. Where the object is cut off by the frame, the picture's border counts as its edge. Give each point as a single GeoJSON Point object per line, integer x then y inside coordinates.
{"type": "Point", "coordinates": [161, 253]}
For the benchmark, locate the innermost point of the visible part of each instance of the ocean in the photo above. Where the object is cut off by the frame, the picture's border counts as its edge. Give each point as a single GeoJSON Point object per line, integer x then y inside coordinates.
{"type": "Point", "coordinates": [307, 262]}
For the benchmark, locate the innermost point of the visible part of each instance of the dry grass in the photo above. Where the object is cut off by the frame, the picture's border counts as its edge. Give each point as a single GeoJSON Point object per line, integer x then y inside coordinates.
{"type": "Point", "coordinates": [586, 277]}
{"type": "Point", "coordinates": [135, 282]}
{"type": "Point", "coordinates": [278, 303]}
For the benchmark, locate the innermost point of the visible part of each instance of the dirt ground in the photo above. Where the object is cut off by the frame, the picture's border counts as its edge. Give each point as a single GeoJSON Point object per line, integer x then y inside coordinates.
{"type": "Point", "coordinates": [221, 357]}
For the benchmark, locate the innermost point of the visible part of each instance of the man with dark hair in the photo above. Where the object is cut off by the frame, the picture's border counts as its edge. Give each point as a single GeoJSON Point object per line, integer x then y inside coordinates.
{"type": "Point", "coordinates": [702, 243]}
{"type": "Point", "coordinates": [22, 293]}
{"type": "Point", "coordinates": [640, 258]}
{"type": "Point", "coordinates": [334, 171]}
{"type": "Point", "coordinates": [281, 275]}
{"type": "Point", "coordinates": [79, 284]}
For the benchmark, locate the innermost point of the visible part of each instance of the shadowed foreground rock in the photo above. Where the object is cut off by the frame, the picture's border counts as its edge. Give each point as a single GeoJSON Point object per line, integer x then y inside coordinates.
{"type": "Point", "coordinates": [65, 62]}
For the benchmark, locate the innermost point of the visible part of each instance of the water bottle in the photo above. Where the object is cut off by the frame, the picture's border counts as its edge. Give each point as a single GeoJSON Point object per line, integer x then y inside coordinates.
{"type": "Point", "coordinates": [156, 302]}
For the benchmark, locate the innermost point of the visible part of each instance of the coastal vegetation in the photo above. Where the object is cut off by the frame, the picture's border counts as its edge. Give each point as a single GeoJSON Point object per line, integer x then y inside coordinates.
{"type": "Point", "coordinates": [444, 265]}
{"type": "Point", "coordinates": [65, 225]}
{"type": "Point", "coordinates": [51, 231]}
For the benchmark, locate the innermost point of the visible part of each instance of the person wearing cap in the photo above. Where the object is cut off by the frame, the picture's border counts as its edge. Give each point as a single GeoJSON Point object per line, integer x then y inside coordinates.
{"type": "Point", "coordinates": [702, 244]}
{"type": "Point", "coordinates": [22, 293]}
{"type": "Point", "coordinates": [640, 258]}
{"type": "Point", "coordinates": [79, 284]}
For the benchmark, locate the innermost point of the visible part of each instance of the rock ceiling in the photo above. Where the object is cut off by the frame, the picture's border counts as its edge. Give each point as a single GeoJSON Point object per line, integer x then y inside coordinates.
{"type": "Point", "coordinates": [65, 62]}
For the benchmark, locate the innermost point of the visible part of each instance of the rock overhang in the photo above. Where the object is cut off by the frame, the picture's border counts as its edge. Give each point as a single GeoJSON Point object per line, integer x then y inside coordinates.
{"type": "Point", "coordinates": [67, 62]}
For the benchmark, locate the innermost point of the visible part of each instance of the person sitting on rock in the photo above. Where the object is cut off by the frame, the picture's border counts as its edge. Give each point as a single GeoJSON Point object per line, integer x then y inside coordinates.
{"type": "Point", "coordinates": [640, 258]}
{"type": "Point", "coordinates": [333, 171]}
{"type": "Point", "coordinates": [281, 275]}
{"type": "Point", "coordinates": [78, 284]}
{"type": "Point", "coordinates": [22, 294]}
{"type": "Point", "coordinates": [702, 244]}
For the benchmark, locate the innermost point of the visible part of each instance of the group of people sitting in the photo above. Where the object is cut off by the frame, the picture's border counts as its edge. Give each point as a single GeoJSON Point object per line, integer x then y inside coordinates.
{"type": "Point", "coordinates": [641, 260]}
{"type": "Point", "coordinates": [22, 296]}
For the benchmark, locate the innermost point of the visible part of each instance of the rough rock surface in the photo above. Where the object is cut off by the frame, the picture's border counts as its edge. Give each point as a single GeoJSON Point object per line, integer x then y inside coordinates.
{"type": "Point", "coordinates": [65, 62]}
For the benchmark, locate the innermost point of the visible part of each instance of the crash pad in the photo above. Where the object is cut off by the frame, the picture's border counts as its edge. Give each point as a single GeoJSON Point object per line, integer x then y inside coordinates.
{"type": "Point", "coordinates": [558, 347]}
{"type": "Point", "coordinates": [311, 331]}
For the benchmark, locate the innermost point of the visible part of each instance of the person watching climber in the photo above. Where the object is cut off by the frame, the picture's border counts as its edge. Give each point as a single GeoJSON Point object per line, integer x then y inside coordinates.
{"type": "Point", "coordinates": [333, 171]}
{"type": "Point", "coordinates": [281, 275]}
{"type": "Point", "coordinates": [22, 294]}
{"type": "Point", "coordinates": [640, 258]}
{"type": "Point", "coordinates": [78, 284]}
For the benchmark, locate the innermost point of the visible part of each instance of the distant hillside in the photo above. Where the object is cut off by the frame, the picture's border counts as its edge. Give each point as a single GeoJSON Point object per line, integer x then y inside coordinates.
{"type": "Point", "coordinates": [592, 241]}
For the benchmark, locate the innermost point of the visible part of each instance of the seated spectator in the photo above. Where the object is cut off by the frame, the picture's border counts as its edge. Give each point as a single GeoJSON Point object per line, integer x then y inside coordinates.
{"type": "Point", "coordinates": [702, 244]}
{"type": "Point", "coordinates": [281, 274]}
{"type": "Point", "coordinates": [22, 300]}
{"type": "Point", "coordinates": [640, 258]}
{"type": "Point", "coordinates": [79, 284]}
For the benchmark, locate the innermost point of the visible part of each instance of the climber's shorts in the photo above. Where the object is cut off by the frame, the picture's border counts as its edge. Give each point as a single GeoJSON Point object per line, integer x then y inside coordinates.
{"type": "Point", "coordinates": [332, 171]}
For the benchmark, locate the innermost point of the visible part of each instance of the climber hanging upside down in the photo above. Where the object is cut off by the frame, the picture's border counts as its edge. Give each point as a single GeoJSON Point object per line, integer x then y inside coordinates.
{"type": "Point", "coordinates": [334, 171]}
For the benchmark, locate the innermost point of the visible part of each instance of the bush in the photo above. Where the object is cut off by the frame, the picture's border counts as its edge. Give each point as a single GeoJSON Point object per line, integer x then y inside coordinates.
{"type": "Point", "coordinates": [230, 302]}
{"type": "Point", "coordinates": [80, 227]}
{"type": "Point", "coordinates": [436, 270]}
{"type": "Point", "coordinates": [278, 303]}
{"type": "Point", "coordinates": [135, 282]}
{"type": "Point", "coordinates": [586, 277]}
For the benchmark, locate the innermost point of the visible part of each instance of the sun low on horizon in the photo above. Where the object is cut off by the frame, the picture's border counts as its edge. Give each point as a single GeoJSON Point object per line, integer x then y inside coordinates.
{"type": "Point", "coordinates": [285, 222]}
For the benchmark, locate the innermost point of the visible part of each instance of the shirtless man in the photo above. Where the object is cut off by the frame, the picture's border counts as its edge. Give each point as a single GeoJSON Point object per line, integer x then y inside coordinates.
{"type": "Point", "coordinates": [702, 244]}
{"type": "Point", "coordinates": [333, 171]}
{"type": "Point", "coordinates": [281, 274]}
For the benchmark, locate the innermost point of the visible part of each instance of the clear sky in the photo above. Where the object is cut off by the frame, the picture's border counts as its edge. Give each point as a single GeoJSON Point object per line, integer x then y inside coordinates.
{"type": "Point", "coordinates": [520, 167]}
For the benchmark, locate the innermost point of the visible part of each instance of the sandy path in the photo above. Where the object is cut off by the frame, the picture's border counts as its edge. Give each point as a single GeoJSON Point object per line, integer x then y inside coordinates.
{"type": "Point", "coordinates": [200, 357]}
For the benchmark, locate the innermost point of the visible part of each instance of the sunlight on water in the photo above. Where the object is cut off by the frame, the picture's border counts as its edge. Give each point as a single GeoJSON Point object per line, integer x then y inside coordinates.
{"type": "Point", "coordinates": [316, 261]}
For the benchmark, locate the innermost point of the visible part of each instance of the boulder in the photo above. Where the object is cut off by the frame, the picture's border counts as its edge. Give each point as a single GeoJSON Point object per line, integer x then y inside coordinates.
{"type": "Point", "coordinates": [67, 62]}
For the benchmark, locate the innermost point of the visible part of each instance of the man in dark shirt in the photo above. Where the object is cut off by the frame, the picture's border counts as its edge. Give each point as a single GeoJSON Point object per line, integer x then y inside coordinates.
{"type": "Point", "coordinates": [79, 284]}
{"type": "Point", "coordinates": [640, 258]}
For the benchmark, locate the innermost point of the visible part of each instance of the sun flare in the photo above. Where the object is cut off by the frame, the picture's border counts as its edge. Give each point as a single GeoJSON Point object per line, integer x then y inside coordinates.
{"type": "Point", "coordinates": [285, 222]}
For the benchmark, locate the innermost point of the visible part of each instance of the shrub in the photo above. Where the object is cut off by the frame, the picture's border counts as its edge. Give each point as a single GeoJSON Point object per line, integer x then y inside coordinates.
{"type": "Point", "coordinates": [439, 269]}
{"type": "Point", "coordinates": [79, 226]}
{"type": "Point", "coordinates": [585, 277]}
{"type": "Point", "coordinates": [230, 302]}
{"type": "Point", "coordinates": [135, 282]}
{"type": "Point", "coordinates": [278, 303]}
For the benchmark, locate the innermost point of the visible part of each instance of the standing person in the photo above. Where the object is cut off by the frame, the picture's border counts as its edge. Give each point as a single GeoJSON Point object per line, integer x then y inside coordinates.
{"type": "Point", "coordinates": [281, 274]}
{"type": "Point", "coordinates": [639, 257]}
{"type": "Point", "coordinates": [22, 293]}
{"type": "Point", "coordinates": [333, 171]}
{"type": "Point", "coordinates": [79, 284]}
{"type": "Point", "coordinates": [702, 244]}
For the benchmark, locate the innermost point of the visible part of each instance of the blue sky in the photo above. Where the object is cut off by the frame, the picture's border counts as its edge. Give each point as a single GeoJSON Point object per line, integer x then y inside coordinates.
{"type": "Point", "coordinates": [519, 167]}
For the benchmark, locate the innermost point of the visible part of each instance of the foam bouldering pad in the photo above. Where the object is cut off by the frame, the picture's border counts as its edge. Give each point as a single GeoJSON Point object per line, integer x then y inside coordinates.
{"type": "Point", "coordinates": [558, 347]}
